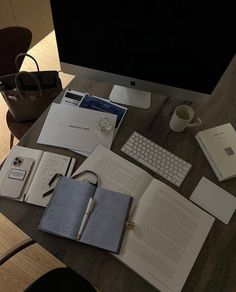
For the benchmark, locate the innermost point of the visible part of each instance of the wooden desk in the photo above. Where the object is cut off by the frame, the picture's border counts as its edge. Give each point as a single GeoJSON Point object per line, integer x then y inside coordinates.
{"type": "Point", "coordinates": [215, 267]}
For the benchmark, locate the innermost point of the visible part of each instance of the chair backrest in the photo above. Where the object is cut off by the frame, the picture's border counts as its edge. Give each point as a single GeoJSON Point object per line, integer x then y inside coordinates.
{"type": "Point", "coordinates": [14, 40]}
{"type": "Point", "coordinates": [61, 279]}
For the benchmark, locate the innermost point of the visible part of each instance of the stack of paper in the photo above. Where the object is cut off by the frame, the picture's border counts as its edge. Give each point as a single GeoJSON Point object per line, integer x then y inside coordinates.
{"type": "Point", "coordinates": [76, 129]}
{"type": "Point", "coordinates": [85, 100]}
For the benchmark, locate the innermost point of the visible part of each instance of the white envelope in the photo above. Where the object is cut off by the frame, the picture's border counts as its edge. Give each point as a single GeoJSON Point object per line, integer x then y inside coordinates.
{"type": "Point", "coordinates": [75, 128]}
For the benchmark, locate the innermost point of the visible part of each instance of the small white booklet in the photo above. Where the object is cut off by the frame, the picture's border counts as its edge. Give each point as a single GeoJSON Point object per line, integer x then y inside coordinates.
{"type": "Point", "coordinates": [76, 128]}
{"type": "Point", "coordinates": [219, 146]}
{"type": "Point", "coordinates": [169, 229]}
{"type": "Point", "coordinates": [29, 182]}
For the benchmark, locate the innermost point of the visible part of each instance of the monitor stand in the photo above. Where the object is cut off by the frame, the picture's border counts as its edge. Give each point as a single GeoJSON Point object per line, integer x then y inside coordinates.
{"type": "Point", "coordinates": [130, 96]}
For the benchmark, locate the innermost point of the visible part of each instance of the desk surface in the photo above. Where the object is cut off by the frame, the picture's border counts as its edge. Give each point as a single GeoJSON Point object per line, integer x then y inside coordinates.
{"type": "Point", "coordinates": [215, 267]}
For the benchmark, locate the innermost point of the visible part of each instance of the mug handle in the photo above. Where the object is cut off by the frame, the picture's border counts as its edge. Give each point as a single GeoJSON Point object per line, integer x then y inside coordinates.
{"type": "Point", "coordinates": [198, 123]}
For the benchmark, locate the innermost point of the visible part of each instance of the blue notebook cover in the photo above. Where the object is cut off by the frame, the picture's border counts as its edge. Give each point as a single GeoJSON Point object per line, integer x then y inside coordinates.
{"type": "Point", "coordinates": [106, 223]}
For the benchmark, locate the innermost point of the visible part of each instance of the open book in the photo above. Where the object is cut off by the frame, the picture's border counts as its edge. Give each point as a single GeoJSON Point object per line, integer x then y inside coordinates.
{"type": "Point", "coordinates": [169, 229]}
{"type": "Point", "coordinates": [92, 215]}
{"type": "Point", "coordinates": [26, 174]}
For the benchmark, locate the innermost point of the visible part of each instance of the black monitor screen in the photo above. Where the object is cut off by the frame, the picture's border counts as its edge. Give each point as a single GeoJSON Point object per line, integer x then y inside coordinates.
{"type": "Point", "coordinates": [177, 43]}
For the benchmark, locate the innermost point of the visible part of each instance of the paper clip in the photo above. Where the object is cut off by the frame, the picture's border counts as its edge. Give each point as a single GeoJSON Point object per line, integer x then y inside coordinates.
{"type": "Point", "coordinates": [130, 225]}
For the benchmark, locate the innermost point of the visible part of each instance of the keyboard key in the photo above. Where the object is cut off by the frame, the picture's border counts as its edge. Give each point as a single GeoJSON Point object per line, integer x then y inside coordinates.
{"type": "Point", "coordinates": [156, 158]}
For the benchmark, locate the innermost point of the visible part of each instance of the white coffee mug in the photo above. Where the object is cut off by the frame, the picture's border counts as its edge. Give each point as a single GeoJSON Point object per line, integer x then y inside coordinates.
{"type": "Point", "coordinates": [181, 118]}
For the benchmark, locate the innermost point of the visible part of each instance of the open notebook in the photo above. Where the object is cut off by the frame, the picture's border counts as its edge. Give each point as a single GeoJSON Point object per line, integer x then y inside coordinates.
{"type": "Point", "coordinates": [33, 177]}
{"type": "Point", "coordinates": [93, 215]}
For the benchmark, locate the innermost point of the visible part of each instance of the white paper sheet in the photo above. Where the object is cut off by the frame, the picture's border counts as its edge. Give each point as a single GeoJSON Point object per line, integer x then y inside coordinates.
{"type": "Point", "coordinates": [75, 128]}
{"type": "Point", "coordinates": [214, 200]}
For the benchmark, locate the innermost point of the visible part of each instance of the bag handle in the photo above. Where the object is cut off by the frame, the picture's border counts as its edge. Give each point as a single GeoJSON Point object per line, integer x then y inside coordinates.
{"type": "Point", "coordinates": [21, 55]}
{"type": "Point", "coordinates": [33, 77]}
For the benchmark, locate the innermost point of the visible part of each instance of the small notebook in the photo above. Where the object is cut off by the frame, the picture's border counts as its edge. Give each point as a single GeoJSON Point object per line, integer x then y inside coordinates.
{"type": "Point", "coordinates": [106, 222]}
{"type": "Point", "coordinates": [219, 146]}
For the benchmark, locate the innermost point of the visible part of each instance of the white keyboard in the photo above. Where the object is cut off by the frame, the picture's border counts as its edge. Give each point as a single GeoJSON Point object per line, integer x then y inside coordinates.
{"type": "Point", "coordinates": [156, 158]}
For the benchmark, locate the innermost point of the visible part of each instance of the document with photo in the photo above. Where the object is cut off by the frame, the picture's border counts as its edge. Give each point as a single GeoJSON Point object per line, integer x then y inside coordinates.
{"type": "Point", "coordinates": [72, 97]}
{"type": "Point", "coordinates": [100, 104]}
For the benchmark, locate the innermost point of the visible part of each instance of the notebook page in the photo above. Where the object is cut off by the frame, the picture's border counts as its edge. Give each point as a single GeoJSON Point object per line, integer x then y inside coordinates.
{"type": "Point", "coordinates": [50, 164]}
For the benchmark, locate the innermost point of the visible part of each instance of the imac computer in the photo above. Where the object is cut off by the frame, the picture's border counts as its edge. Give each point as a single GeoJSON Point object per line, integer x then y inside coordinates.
{"type": "Point", "coordinates": [173, 48]}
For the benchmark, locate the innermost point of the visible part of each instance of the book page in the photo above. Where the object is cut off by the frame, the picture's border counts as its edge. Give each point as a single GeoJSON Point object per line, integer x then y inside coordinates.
{"type": "Point", "coordinates": [116, 173]}
{"type": "Point", "coordinates": [16, 150]}
{"type": "Point", "coordinates": [168, 235]}
{"type": "Point", "coordinates": [50, 164]}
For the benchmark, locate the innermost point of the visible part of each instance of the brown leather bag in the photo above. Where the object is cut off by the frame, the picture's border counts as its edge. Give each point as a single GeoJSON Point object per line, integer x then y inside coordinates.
{"type": "Point", "coordinates": [28, 94]}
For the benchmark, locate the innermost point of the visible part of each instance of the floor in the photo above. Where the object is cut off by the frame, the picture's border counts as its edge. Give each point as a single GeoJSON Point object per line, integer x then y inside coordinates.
{"type": "Point", "coordinates": [46, 54]}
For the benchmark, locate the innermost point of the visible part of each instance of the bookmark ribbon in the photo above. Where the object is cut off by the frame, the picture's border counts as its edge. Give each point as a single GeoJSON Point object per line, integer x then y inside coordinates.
{"type": "Point", "coordinates": [58, 175]}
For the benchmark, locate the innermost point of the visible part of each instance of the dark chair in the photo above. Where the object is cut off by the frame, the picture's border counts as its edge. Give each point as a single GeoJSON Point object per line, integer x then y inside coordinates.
{"type": "Point", "coordinates": [17, 129]}
{"type": "Point", "coordinates": [60, 280]}
{"type": "Point", "coordinates": [14, 40]}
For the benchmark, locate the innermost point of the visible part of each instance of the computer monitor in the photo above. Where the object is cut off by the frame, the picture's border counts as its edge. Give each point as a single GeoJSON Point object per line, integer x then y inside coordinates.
{"type": "Point", "coordinates": [174, 48]}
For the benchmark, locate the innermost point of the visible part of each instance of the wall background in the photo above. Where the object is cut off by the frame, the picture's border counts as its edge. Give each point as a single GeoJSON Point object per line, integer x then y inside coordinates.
{"type": "Point", "coordinates": [33, 14]}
